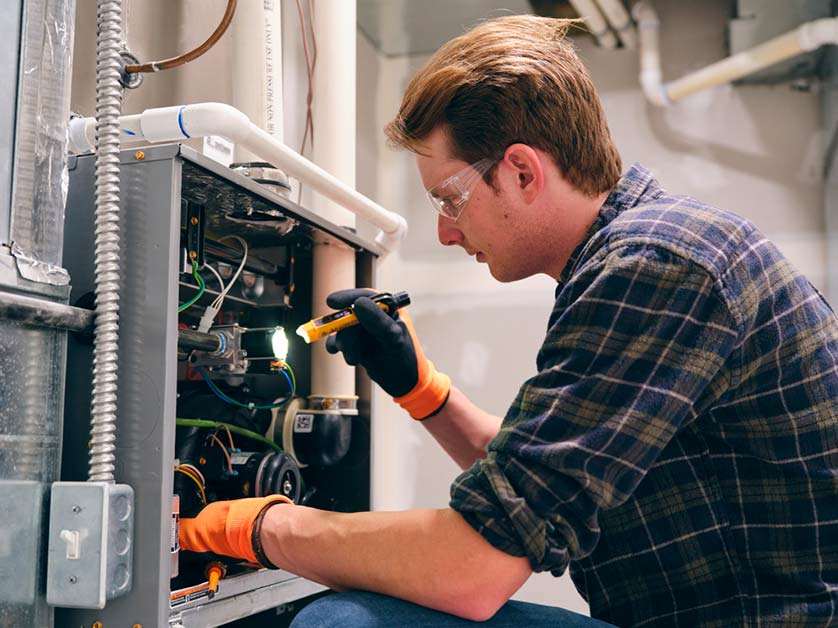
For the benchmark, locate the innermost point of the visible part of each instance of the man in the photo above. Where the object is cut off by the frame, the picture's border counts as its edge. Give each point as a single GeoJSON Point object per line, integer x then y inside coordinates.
{"type": "Point", "coordinates": [678, 445]}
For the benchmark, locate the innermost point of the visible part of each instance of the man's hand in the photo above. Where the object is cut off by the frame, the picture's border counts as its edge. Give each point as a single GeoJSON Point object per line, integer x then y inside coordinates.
{"type": "Point", "coordinates": [230, 528]}
{"type": "Point", "coordinates": [390, 352]}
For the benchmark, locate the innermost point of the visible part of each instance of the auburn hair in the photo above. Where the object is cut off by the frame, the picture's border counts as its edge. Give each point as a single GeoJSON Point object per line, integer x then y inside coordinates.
{"type": "Point", "coordinates": [508, 80]}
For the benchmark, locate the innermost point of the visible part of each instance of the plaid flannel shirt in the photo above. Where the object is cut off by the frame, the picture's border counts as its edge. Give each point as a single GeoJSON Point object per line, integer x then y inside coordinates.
{"type": "Point", "coordinates": [678, 446]}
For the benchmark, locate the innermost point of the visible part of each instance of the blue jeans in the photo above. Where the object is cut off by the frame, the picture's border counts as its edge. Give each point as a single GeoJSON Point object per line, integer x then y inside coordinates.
{"type": "Point", "coordinates": [360, 609]}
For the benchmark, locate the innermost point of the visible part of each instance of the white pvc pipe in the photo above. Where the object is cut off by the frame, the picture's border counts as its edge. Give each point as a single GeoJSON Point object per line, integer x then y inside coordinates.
{"type": "Point", "coordinates": [333, 107]}
{"type": "Point", "coordinates": [168, 124]}
{"type": "Point", "coordinates": [805, 38]}
{"type": "Point", "coordinates": [651, 79]}
{"type": "Point", "coordinates": [257, 67]}
{"type": "Point", "coordinates": [620, 21]}
{"type": "Point", "coordinates": [589, 11]}
{"type": "Point", "coordinates": [333, 148]}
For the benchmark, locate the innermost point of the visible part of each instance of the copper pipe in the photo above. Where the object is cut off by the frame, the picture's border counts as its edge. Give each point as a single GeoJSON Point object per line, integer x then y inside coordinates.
{"type": "Point", "coordinates": [168, 64]}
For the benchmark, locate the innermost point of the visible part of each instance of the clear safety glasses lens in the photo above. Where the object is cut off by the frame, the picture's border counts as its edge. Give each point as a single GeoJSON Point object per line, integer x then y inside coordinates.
{"type": "Point", "coordinates": [451, 195]}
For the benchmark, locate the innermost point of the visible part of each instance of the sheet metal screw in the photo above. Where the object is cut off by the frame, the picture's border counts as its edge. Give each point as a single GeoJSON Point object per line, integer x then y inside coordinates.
{"type": "Point", "coordinates": [72, 580]}
{"type": "Point", "coordinates": [76, 509]}
{"type": "Point", "coordinates": [139, 155]}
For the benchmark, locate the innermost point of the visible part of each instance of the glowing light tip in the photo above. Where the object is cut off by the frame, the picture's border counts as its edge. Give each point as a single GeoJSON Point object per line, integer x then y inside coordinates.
{"type": "Point", "coordinates": [301, 331]}
{"type": "Point", "coordinates": [279, 344]}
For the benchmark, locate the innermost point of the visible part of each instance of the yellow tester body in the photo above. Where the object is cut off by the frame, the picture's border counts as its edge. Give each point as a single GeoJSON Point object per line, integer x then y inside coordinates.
{"type": "Point", "coordinates": [319, 328]}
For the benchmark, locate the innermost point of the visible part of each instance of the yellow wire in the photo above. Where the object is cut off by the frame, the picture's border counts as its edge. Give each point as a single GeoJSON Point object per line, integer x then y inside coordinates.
{"type": "Point", "coordinates": [197, 483]}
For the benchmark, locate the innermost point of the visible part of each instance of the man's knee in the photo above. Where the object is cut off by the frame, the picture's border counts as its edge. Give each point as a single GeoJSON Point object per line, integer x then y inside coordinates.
{"type": "Point", "coordinates": [353, 608]}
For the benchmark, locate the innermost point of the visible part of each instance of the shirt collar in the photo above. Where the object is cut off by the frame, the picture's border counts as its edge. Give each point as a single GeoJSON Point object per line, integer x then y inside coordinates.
{"type": "Point", "coordinates": [634, 188]}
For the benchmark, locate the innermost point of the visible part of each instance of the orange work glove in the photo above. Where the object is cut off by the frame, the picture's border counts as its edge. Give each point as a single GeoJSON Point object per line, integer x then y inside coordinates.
{"type": "Point", "coordinates": [230, 528]}
{"type": "Point", "coordinates": [387, 347]}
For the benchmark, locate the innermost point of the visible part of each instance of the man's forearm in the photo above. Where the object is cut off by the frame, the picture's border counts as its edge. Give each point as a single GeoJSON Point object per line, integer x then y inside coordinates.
{"type": "Point", "coordinates": [463, 429]}
{"type": "Point", "coordinates": [429, 557]}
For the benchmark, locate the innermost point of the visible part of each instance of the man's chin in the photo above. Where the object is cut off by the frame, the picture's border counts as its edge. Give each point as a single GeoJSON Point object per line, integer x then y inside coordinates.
{"type": "Point", "coordinates": [505, 275]}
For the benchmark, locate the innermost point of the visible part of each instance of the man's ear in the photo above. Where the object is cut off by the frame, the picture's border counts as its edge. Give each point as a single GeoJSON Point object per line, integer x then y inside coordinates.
{"type": "Point", "coordinates": [527, 169]}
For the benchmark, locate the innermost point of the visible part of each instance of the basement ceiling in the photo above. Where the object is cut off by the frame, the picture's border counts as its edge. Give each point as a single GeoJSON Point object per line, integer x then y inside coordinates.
{"type": "Point", "coordinates": [408, 27]}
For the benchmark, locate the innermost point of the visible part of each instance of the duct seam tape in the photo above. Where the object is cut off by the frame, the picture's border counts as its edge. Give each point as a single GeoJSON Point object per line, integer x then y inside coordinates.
{"type": "Point", "coordinates": [80, 140]}
{"type": "Point", "coordinates": [163, 124]}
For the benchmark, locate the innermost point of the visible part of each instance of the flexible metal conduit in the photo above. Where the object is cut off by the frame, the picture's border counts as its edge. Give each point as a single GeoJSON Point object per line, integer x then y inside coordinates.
{"type": "Point", "coordinates": [106, 339]}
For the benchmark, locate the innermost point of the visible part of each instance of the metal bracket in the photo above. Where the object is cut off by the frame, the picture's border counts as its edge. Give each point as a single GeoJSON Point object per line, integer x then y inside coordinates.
{"type": "Point", "coordinates": [192, 231]}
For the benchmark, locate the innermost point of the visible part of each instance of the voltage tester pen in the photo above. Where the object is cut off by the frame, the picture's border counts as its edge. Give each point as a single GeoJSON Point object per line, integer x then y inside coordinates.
{"type": "Point", "coordinates": [319, 328]}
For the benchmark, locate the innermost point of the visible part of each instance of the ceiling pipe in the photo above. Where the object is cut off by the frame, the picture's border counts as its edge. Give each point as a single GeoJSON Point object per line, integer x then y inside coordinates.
{"type": "Point", "coordinates": [174, 124]}
{"type": "Point", "coordinates": [620, 21]}
{"type": "Point", "coordinates": [589, 11]}
{"type": "Point", "coordinates": [805, 38]}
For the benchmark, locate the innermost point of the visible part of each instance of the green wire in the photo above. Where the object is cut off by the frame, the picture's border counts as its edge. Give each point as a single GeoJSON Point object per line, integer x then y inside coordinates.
{"type": "Point", "coordinates": [288, 368]}
{"type": "Point", "coordinates": [216, 425]}
{"type": "Point", "coordinates": [201, 287]}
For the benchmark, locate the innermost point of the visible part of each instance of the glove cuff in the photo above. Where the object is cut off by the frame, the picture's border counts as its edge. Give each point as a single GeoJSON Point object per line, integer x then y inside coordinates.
{"type": "Point", "coordinates": [429, 394]}
{"type": "Point", "coordinates": [242, 527]}
{"type": "Point", "coordinates": [256, 534]}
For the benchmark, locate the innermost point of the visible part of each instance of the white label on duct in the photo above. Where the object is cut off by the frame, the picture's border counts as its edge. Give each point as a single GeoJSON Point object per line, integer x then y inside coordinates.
{"type": "Point", "coordinates": [219, 149]}
{"type": "Point", "coordinates": [303, 423]}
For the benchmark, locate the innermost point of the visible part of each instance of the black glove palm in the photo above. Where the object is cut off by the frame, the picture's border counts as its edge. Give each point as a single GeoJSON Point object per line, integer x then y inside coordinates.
{"type": "Point", "coordinates": [382, 345]}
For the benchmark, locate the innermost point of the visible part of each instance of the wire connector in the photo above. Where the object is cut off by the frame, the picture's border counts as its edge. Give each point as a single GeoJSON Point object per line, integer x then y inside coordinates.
{"type": "Point", "coordinates": [208, 317]}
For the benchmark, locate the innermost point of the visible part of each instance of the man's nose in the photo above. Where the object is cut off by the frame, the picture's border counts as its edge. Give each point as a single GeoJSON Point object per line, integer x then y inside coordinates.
{"type": "Point", "coordinates": [448, 232]}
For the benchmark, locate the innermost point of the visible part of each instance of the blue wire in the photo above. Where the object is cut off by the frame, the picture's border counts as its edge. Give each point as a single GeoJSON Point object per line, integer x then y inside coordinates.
{"type": "Point", "coordinates": [288, 379]}
{"type": "Point", "coordinates": [234, 402]}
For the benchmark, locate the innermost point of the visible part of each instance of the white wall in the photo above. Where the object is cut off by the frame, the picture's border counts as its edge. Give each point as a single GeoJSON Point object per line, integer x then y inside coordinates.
{"type": "Point", "coordinates": [754, 150]}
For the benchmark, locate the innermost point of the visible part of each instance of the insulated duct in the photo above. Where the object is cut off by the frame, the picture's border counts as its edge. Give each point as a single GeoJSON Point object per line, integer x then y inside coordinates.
{"type": "Point", "coordinates": [38, 41]}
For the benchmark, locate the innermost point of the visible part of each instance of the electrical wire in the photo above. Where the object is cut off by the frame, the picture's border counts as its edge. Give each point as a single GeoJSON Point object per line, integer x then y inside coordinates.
{"type": "Point", "coordinates": [219, 300]}
{"type": "Point", "coordinates": [201, 491]}
{"type": "Point", "coordinates": [217, 441]}
{"type": "Point", "coordinates": [217, 276]}
{"type": "Point", "coordinates": [229, 437]}
{"type": "Point", "coordinates": [191, 467]}
{"type": "Point", "coordinates": [215, 425]}
{"type": "Point", "coordinates": [293, 380]}
{"type": "Point", "coordinates": [202, 286]}
{"type": "Point", "coordinates": [173, 62]}
{"type": "Point", "coordinates": [249, 405]}
{"type": "Point", "coordinates": [311, 63]}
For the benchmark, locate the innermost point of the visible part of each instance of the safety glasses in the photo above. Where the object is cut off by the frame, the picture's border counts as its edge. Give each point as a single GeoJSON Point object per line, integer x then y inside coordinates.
{"type": "Point", "coordinates": [450, 196]}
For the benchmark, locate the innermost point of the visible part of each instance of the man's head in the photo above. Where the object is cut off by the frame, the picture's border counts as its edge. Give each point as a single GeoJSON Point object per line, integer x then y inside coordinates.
{"type": "Point", "coordinates": [512, 91]}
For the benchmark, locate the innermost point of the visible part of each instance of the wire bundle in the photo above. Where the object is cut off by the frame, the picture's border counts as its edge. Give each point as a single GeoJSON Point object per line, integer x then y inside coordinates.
{"type": "Point", "coordinates": [250, 405]}
{"type": "Point", "coordinates": [194, 474]}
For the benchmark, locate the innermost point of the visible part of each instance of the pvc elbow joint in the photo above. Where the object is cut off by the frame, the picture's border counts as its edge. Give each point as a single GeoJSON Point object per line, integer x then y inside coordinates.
{"type": "Point", "coordinates": [813, 35]}
{"type": "Point", "coordinates": [389, 240]}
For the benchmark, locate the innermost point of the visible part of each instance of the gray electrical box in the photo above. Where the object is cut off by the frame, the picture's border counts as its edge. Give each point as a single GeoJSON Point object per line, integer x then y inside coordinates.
{"type": "Point", "coordinates": [176, 203]}
{"type": "Point", "coordinates": [90, 543]}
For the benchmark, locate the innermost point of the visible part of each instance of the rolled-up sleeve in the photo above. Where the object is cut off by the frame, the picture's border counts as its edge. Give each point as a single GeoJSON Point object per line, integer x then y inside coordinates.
{"type": "Point", "coordinates": [636, 339]}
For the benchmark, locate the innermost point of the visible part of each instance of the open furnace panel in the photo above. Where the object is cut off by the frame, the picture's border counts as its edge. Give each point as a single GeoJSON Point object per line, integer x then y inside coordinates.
{"type": "Point", "coordinates": [212, 411]}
